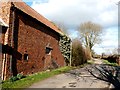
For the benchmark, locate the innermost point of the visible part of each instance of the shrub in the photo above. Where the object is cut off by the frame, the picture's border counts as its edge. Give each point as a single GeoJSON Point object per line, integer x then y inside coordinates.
{"type": "Point", "coordinates": [111, 58]}
{"type": "Point", "coordinates": [18, 77]}
{"type": "Point", "coordinates": [13, 78]}
{"type": "Point", "coordinates": [109, 63]}
{"type": "Point", "coordinates": [78, 53]}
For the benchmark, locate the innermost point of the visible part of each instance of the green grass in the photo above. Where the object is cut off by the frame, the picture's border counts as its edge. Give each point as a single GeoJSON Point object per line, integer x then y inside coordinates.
{"type": "Point", "coordinates": [107, 62]}
{"type": "Point", "coordinates": [29, 80]}
{"type": "Point", "coordinates": [90, 61]}
{"type": "Point", "coordinates": [83, 65]}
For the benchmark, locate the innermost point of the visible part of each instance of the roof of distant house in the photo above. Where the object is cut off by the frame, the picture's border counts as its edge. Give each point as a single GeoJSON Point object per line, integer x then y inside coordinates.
{"type": "Point", "coordinates": [28, 10]}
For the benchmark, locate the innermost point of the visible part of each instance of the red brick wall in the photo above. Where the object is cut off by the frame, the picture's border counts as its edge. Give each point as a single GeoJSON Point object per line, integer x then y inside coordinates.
{"type": "Point", "coordinates": [5, 11]}
{"type": "Point", "coordinates": [31, 37]}
{"type": "Point", "coordinates": [4, 15]}
{"type": "Point", "coordinates": [2, 37]}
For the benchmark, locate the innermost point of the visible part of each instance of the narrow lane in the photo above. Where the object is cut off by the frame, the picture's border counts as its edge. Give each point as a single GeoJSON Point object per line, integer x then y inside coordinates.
{"type": "Point", "coordinates": [78, 78]}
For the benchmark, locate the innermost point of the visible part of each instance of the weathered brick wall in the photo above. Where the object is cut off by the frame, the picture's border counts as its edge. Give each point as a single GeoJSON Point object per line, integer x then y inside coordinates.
{"type": "Point", "coordinates": [32, 37]}
{"type": "Point", "coordinates": [2, 36]}
{"type": "Point", "coordinates": [4, 15]}
{"type": "Point", "coordinates": [5, 11]}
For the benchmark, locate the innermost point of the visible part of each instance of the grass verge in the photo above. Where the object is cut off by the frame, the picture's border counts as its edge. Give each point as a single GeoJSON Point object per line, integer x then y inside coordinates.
{"type": "Point", "coordinates": [90, 61]}
{"type": "Point", "coordinates": [107, 62]}
{"type": "Point", "coordinates": [29, 80]}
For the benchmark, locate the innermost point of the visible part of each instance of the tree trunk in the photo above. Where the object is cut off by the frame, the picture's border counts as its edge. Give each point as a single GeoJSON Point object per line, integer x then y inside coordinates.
{"type": "Point", "coordinates": [88, 47]}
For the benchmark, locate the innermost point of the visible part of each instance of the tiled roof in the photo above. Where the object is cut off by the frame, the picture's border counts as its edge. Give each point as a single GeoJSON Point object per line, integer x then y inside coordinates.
{"type": "Point", "coordinates": [28, 10]}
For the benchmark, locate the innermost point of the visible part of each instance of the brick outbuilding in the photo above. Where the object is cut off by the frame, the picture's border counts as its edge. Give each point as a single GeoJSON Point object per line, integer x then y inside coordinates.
{"type": "Point", "coordinates": [30, 42]}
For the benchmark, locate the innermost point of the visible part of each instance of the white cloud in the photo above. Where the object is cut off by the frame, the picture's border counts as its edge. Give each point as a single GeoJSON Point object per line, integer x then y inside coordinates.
{"type": "Point", "coordinates": [110, 41]}
{"type": "Point", "coordinates": [74, 12]}
{"type": "Point", "coordinates": [111, 36]}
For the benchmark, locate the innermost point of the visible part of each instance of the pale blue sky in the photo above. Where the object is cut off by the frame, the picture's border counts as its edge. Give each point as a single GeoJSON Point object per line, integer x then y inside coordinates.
{"type": "Point", "coordinates": [74, 12]}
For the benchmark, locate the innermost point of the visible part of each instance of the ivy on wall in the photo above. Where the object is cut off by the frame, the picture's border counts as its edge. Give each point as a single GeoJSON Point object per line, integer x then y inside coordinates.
{"type": "Point", "coordinates": [65, 47]}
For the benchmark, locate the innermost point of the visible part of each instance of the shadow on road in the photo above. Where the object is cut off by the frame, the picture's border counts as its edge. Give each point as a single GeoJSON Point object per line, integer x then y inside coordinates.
{"type": "Point", "coordinates": [107, 73]}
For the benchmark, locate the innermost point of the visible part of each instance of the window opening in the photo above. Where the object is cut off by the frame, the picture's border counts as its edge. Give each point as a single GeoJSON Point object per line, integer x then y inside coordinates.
{"type": "Point", "coordinates": [26, 57]}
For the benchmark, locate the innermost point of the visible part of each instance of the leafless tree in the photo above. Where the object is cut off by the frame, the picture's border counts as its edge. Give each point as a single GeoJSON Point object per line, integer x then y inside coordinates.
{"type": "Point", "coordinates": [90, 34]}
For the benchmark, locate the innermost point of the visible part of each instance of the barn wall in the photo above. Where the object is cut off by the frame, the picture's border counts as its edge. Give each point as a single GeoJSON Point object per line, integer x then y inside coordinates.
{"type": "Point", "coordinates": [31, 37]}
{"type": "Point", "coordinates": [4, 15]}
{"type": "Point", "coordinates": [5, 11]}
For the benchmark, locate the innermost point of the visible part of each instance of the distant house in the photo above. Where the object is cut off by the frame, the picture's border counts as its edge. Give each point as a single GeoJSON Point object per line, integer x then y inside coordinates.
{"type": "Point", "coordinates": [30, 41]}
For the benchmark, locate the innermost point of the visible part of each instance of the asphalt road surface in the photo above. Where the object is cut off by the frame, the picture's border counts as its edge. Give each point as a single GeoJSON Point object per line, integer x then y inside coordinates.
{"type": "Point", "coordinates": [78, 78]}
